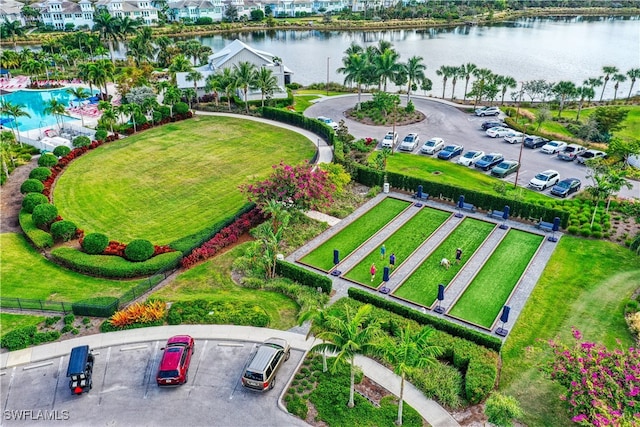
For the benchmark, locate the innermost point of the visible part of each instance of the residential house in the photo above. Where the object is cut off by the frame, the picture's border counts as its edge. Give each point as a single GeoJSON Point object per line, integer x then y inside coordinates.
{"type": "Point", "coordinates": [133, 9]}
{"type": "Point", "coordinates": [63, 14]}
{"type": "Point", "coordinates": [11, 11]}
{"type": "Point", "coordinates": [191, 10]}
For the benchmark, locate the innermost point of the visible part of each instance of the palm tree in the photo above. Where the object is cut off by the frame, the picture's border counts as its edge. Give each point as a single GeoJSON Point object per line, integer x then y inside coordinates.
{"type": "Point", "coordinates": [415, 72]}
{"type": "Point", "coordinates": [347, 335]}
{"type": "Point", "coordinates": [13, 29]}
{"type": "Point", "coordinates": [467, 70]}
{"type": "Point", "coordinates": [80, 94]}
{"type": "Point", "coordinates": [456, 72]}
{"type": "Point", "coordinates": [180, 64]}
{"type": "Point", "coordinates": [386, 66]}
{"type": "Point", "coordinates": [584, 92]}
{"type": "Point", "coordinates": [108, 27]}
{"type": "Point", "coordinates": [229, 84]}
{"type": "Point", "coordinates": [109, 116]}
{"type": "Point", "coordinates": [244, 73]}
{"type": "Point", "coordinates": [564, 90]}
{"type": "Point", "coordinates": [33, 68]}
{"type": "Point", "coordinates": [190, 95]}
{"type": "Point", "coordinates": [9, 59]}
{"type": "Point", "coordinates": [141, 47]}
{"type": "Point", "coordinates": [318, 319]}
{"type": "Point", "coordinates": [506, 82]}
{"type": "Point", "coordinates": [355, 69]}
{"type": "Point", "coordinates": [194, 76]}
{"type": "Point", "coordinates": [130, 110]}
{"type": "Point", "coordinates": [56, 108]}
{"type": "Point", "coordinates": [266, 82]}
{"type": "Point", "coordinates": [213, 85]}
{"type": "Point", "coordinates": [411, 350]}
{"type": "Point", "coordinates": [445, 71]}
{"type": "Point", "coordinates": [633, 74]}
{"type": "Point", "coordinates": [353, 48]}
{"type": "Point", "coordinates": [127, 26]}
{"type": "Point", "coordinates": [14, 111]}
{"type": "Point", "coordinates": [171, 97]}
{"type": "Point", "coordinates": [607, 70]}
{"type": "Point", "coordinates": [618, 78]}
{"type": "Point", "coordinates": [483, 76]}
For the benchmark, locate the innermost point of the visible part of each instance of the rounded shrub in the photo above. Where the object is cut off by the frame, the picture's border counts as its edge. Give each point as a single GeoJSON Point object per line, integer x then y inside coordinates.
{"type": "Point", "coordinates": [31, 200]}
{"type": "Point", "coordinates": [40, 173]}
{"type": "Point", "coordinates": [47, 160]}
{"type": "Point", "coordinates": [596, 227]}
{"type": "Point", "coordinates": [95, 243]}
{"type": "Point", "coordinates": [61, 151]}
{"type": "Point", "coordinates": [138, 250]}
{"type": "Point", "coordinates": [81, 141]}
{"type": "Point", "coordinates": [44, 214]}
{"type": "Point", "coordinates": [585, 232]}
{"type": "Point", "coordinates": [101, 135]}
{"type": "Point", "coordinates": [181, 108]}
{"type": "Point", "coordinates": [63, 230]}
{"type": "Point", "coordinates": [31, 186]}
{"type": "Point", "coordinates": [573, 229]}
{"type": "Point", "coordinates": [596, 234]}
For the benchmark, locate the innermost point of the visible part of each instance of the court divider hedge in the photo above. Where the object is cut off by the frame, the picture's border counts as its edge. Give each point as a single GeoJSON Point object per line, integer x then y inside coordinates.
{"type": "Point", "coordinates": [303, 276]}
{"type": "Point", "coordinates": [96, 307]}
{"type": "Point", "coordinates": [321, 129]}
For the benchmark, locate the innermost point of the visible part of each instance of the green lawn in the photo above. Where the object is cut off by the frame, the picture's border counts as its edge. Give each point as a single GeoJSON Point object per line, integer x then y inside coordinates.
{"type": "Point", "coordinates": [212, 281]}
{"type": "Point", "coordinates": [302, 102]}
{"type": "Point", "coordinates": [403, 243]}
{"type": "Point", "coordinates": [484, 297]}
{"type": "Point", "coordinates": [169, 182]}
{"type": "Point", "coordinates": [27, 274]}
{"type": "Point", "coordinates": [317, 92]}
{"type": "Point", "coordinates": [422, 286]}
{"type": "Point", "coordinates": [585, 285]}
{"type": "Point", "coordinates": [9, 321]}
{"type": "Point", "coordinates": [355, 234]}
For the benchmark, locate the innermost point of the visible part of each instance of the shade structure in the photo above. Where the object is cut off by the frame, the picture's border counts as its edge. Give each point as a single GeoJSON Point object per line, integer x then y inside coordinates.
{"type": "Point", "coordinates": [461, 202]}
{"type": "Point", "coordinates": [505, 212]}
{"type": "Point", "coordinates": [556, 224]}
{"type": "Point", "coordinates": [5, 120]}
{"type": "Point", "coordinates": [440, 292]}
{"type": "Point", "coordinates": [419, 193]}
{"type": "Point", "coordinates": [385, 274]}
{"type": "Point", "coordinates": [336, 257]}
{"type": "Point", "coordinates": [504, 317]}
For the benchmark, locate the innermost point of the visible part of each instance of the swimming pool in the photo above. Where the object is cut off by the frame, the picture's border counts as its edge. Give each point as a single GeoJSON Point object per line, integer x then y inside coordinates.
{"type": "Point", "coordinates": [35, 102]}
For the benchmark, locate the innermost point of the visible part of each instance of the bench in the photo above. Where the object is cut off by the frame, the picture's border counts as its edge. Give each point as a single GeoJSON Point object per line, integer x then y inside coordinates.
{"type": "Point", "coordinates": [545, 226]}
{"type": "Point", "coordinates": [496, 214]}
{"type": "Point", "coordinates": [468, 207]}
{"type": "Point", "coordinates": [424, 197]}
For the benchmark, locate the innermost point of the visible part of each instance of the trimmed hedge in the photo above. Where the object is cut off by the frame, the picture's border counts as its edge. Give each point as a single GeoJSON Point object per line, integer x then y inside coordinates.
{"type": "Point", "coordinates": [321, 129]}
{"type": "Point", "coordinates": [31, 200]}
{"type": "Point", "coordinates": [303, 276]}
{"type": "Point", "coordinates": [26, 336]}
{"type": "Point", "coordinates": [101, 135]}
{"type": "Point", "coordinates": [112, 266]}
{"type": "Point", "coordinates": [39, 238]}
{"type": "Point", "coordinates": [81, 141]}
{"type": "Point", "coordinates": [95, 243]}
{"type": "Point", "coordinates": [47, 160]}
{"type": "Point", "coordinates": [40, 173]}
{"type": "Point", "coordinates": [44, 214]}
{"type": "Point", "coordinates": [31, 186]}
{"type": "Point", "coordinates": [63, 230]}
{"type": "Point", "coordinates": [138, 250]}
{"type": "Point", "coordinates": [96, 307]}
{"type": "Point", "coordinates": [61, 151]}
{"type": "Point", "coordinates": [198, 312]}
{"type": "Point", "coordinates": [454, 329]}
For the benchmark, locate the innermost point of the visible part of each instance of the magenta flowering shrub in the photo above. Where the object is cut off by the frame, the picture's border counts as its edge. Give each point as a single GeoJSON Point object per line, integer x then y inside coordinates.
{"type": "Point", "coordinates": [299, 187]}
{"type": "Point", "coordinates": [603, 386]}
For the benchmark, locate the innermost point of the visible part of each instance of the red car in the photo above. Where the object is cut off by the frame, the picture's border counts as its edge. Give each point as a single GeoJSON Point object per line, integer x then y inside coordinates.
{"type": "Point", "coordinates": [174, 365]}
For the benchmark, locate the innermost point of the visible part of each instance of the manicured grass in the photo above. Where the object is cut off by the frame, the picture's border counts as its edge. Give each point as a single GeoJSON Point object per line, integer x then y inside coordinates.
{"type": "Point", "coordinates": [302, 102]}
{"type": "Point", "coordinates": [356, 233]}
{"type": "Point", "coordinates": [585, 285]}
{"type": "Point", "coordinates": [212, 281]}
{"type": "Point", "coordinates": [27, 274]}
{"type": "Point", "coordinates": [484, 297]}
{"type": "Point", "coordinates": [403, 242]}
{"type": "Point", "coordinates": [9, 321]}
{"type": "Point", "coordinates": [317, 92]}
{"type": "Point", "coordinates": [422, 286]}
{"type": "Point", "coordinates": [453, 174]}
{"type": "Point", "coordinates": [173, 181]}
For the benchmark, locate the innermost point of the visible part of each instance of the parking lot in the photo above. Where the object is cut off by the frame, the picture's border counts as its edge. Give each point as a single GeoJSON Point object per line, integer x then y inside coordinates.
{"type": "Point", "coordinates": [460, 128]}
{"type": "Point", "coordinates": [125, 392]}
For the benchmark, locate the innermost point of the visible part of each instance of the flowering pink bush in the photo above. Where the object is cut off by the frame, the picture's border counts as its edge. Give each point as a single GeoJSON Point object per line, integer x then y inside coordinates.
{"type": "Point", "coordinates": [298, 187]}
{"type": "Point", "coordinates": [603, 387]}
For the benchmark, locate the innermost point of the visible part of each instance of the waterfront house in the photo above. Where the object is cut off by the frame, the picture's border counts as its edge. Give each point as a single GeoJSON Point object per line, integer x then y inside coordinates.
{"type": "Point", "coordinates": [11, 11]}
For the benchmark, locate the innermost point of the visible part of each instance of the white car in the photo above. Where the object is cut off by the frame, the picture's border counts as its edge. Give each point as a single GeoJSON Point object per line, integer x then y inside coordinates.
{"type": "Point", "coordinates": [590, 155]}
{"type": "Point", "coordinates": [390, 140]}
{"type": "Point", "coordinates": [498, 131]}
{"type": "Point", "coordinates": [432, 146]}
{"type": "Point", "coordinates": [545, 179]}
{"type": "Point", "coordinates": [553, 147]}
{"type": "Point", "coordinates": [410, 142]}
{"type": "Point", "coordinates": [487, 111]}
{"type": "Point", "coordinates": [514, 137]}
{"type": "Point", "coordinates": [328, 122]}
{"type": "Point", "coordinates": [470, 158]}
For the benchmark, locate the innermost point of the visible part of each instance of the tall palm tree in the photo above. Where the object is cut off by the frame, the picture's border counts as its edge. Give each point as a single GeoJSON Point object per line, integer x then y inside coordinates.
{"type": "Point", "coordinates": [446, 71]}
{"type": "Point", "coordinates": [355, 71]}
{"type": "Point", "coordinates": [467, 70]}
{"type": "Point", "coordinates": [583, 92]}
{"type": "Point", "coordinates": [266, 82]}
{"type": "Point", "coordinates": [412, 349]}
{"type": "Point", "coordinates": [13, 29]}
{"type": "Point", "coordinates": [353, 48]}
{"type": "Point", "coordinates": [564, 90]}
{"type": "Point", "coordinates": [109, 115]}
{"type": "Point", "coordinates": [633, 74]}
{"type": "Point", "coordinates": [617, 78]}
{"type": "Point", "coordinates": [607, 70]}
{"type": "Point", "coordinates": [456, 73]}
{"type": "Point", "coordinates": [190, 95]}
{"type": "Point", "coordinates": [171, 96]}
{"type": "Point", "coordinates": [55, 108]}
{"type": "Point", "coordinates": [108, 27]}
{"type": "Point", "coordinates": [245, 78]}
{"type": "Point", "coordinates": [15, 111]}
{"type": "Point", "coordinates": [127, 26]}
{"type": "Point", "coordinates": [33, 68]}
{"type": "Point", "coordinates": [483, 76]}
{"type": "Point", "coordinates": [386, 66]}
{"type": "Point", "coordinates": [506, 82]}
{"type": "Point", "coordinates": [180, 64]}
{"type": "Point", "coordinates": [130, 110]}
{"type": "Point", "coordinates": [229, 84]}
{"type": "Point", "coordinates": [141, 47]}
{"type": "Point", "coordinates": [318, 319]}
{"type": "Point", "coordinates": [81, 94]}
{"type": "Point", "coordinates": [213, 85]}
{"type": "Point", "coordinates": [194, 76]}
{"type": "Point", "coordinates": [9, 59]}
{"type": "Point", "coordinates": [347, 335]}
{"type": "Point", "coordinates": [415, 72]}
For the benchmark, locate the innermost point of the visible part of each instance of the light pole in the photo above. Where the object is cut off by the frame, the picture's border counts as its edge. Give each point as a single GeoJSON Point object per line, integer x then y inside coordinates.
{"type": "Point", "coordinates": [328, 58]}
{"type": "Point", "coordinates": [515, 184]}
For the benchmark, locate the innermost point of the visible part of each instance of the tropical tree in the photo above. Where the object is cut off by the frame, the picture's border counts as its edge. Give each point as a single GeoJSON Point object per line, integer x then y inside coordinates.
{"type": "Point", "coordinates": [13, 29]}
{"type": "Point", "coordinates": [356, 68]}
{"type": "Point", "coordinates": [191, 95]}
{"type": "Point", "coordinates": [14, 111]}
{"type": "Point", "coordinates": [633, 74]}
{"type": "Point", "coordinates": [101, 73]}
{"type": "Point", "coordinates": [564, 90]}
{"type": "Point", "coordinates": [583, 92]}
{"type": "Point", "coordinates": [33, 68]}
{"type": "Point", "coordinates": [171, 97]}
{"type": "Point", "coordinates": [194, 76]}
{"type": "Point", "coordinates": [212, 84]}
{"type": "Point", "coordinates": [109, 117]}
{"type": "Point", "coordinates": [607, 70]}
{"type": "Point", "coordinates": [9, 59]}
{"type": "Point", "coordinates": [265, 81]}
{"type": "Point", "coordinates": [445, 71]}
{"type": "Point", "coordinates": [80, 94]}
{"type": "Point", "coordinates": [412, 349]}
{"type": "Point", "coordinates": [318, 319]}
{"type": "Point", "coordinates": [229, 84]}
{"type": "Point", "coordinates": [607, 180]}
{"type": "Point", "coordinates": [141, 47]}
{"type": "Point", "coordinates": [348, 334]}
{"type": "Point", "coordinates": [245, 75]}
{"type": "Point", "coordinates": [484, 77]}
{"type": "Point", "coordinates": [180, 64]}
{"type": "Point", "coordinates": [426, 84]}
{"type": "Point", "coordinates": [617, 78]}
{"type": "Point", "coordinates": [108, 27]}
{"type": "Point", "coordinates": [55, 108]}
{"type": "Point", "coordinates": [467, 70]}
{"type": "Point", "coordinates": [386, 67]}
{"type": "Point", "coordinates": [130, 110]}
{"type": "Point", "coordinates": [506, 83]}
{"type": "Point", "coordinates": [271, 237]}
{"type": "Point", "coordinates": [415, 73]}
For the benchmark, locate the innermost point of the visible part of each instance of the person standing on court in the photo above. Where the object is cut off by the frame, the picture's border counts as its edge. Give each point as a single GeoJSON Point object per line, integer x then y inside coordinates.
{"type": "Point", "coordinates": [458, 255]}
{"type": "Point", "coordinates": [383, 251]}
{"type": "Point", "coordinates": [372, 270]}
{"type": "Point", "coordinates": [392, 260]}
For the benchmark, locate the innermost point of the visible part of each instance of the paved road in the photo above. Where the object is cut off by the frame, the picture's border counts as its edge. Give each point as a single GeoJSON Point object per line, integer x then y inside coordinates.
{"type": "Point", "coordinates": [457, 126]}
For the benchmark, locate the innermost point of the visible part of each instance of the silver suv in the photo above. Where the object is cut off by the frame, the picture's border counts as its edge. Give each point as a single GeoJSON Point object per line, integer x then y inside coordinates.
{"type": "Point", "coordinates": [260, 371]}
{"type": "Point", "coordinates": [571, 151]}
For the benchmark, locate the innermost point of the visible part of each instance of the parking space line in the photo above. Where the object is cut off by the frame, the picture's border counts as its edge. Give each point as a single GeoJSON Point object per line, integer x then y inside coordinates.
{"type": "Point", "coordinates": [39, 365]}
{"type": "Point", "coordinates": [149, 374]}
{"type": "Point", "coordinates": [202, 353]}
{"type": "Point", "coordinates": [104, 376]}
{"type": "Point", "coordinates": [238, 384]}
{"type": "Point", "coordinates": [135, 347]}
{"type": "Point", "coordinates": [55, 391]}
{"type": "Point", "coordinates": [230, 344]}
{"type": "Point", "coordinates": [13, 374]}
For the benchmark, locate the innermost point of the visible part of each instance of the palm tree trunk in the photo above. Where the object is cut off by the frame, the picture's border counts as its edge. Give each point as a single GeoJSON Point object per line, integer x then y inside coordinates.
{"type": "Point", "coordinates": [630, 89]}
{"type": "Point", "coordinates": [111, 51]}
{"type": "Point", "coordinates": [246, 101]}
{"type": "Point", "coordinates": [352, 384]}
{"type": "Point", "coordinates": [399, 420]}
{"type": "Point", "coordinates": [595, 209]}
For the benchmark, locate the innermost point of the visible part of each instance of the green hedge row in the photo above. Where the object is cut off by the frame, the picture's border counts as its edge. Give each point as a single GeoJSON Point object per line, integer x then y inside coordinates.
{"type": "Point", "coordinates": [39, 238]}
{"type": "Point", "coordinates": [297, 119]}
{"type": "Point", "coordinates": [303, 276]}
{"type": "Point", "coordinates": [525, 210]}
{"type": "Point", "coordinates": [96, 307]}
{"type": "Point", "coordinates": [188, 243]}
{"type": "Point", "coordinates": [273, 102]}
{"type": "Point", "coordinates": [25, 337]}
{"type": "Point", "coordinates": [112, 266]}
{"type": "Point", "coordinates": [454, 329]}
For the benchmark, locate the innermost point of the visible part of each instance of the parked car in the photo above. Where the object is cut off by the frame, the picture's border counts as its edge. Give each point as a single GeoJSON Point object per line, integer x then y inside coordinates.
{"type": "Point", "coordinates": [590, 155]}
{"type": "Point", "coordinates": [571, 151]}
{"type": "Point", "coordinates": [470, 158]}
{"type": "Point", "coordinates": [390, 140]}
{"type": "Point", "coordinates": [553, 147]}
{"type": "Point", "coordinates": [260, 371]}
{"type": "Point", "coordinates": [545, 179]}
{"type": "Point", "coordinates": [566, 187]}
{"type": "Point", "coordinates": [498, 131]}
{"type": "Point", "coordinates": [487, 111]}
{"type": "Point", "coordinates": [432, 146]}
{"type": "Point", "coordinates": [491, 124]}
{"type": "Point", "coordinates": [174, 365]}
{"type": "Point", "coordinates": [410, 142]}
{"type": "Point", "coordinates": [328, 122]}
{"type": "Point", "coordinates": [533, 141]}
{"type": "Point", "coordinates": [450, 152]}
{"type": "Point", "coordinates": [488, 161]}
{"type": "Point", "coordinates": [514, 137]}
{"type": "Point", "coordinates": [505, 168]}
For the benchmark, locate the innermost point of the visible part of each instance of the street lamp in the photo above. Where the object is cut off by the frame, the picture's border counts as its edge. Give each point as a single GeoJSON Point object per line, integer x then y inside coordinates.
{"type": "Point", "coordinates": [328, 58]}
{"type": "Point", "coordinates": [515, 184]}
